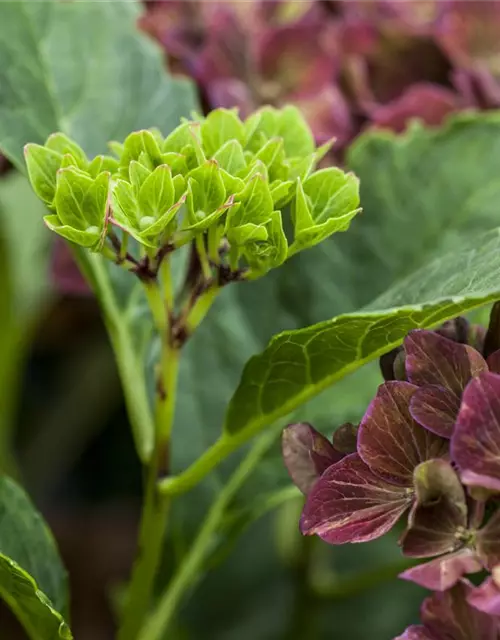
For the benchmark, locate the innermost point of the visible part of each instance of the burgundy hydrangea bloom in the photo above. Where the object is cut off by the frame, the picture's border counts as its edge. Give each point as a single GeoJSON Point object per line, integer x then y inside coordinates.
{"type": "Point", "coordinates": [449, 616]}
{"type": "Point", "coordinates": [362, 496]}
{"type": "Point", "coordinates": [441, 368]}
{"type": "Point", "coordinates": [475, 444]}
{"type": "Point", "coordinates": [64, 272]}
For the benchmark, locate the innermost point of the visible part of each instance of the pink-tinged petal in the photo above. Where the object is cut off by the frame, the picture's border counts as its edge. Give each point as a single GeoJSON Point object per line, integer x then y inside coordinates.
{"type": "Point", "coordinates": [417, 632]}
{"type": "Point", "coordinates": [286, 68]}
{"type": "Point", "coordinates": [486, 597]}
{"type": "Point", "coordinates": [477, 88]}
{"type": "Point", "coordinates": [435, 408]}
{"type": "Point", "coordinates": [351, 504]}
{"type": "Point", "coordinates": [229, 93]}
{"type": "Point", "coordinates": [419, 16]}
{"type": "Point", "coordinates": [327, 113]}
{"type": "Point", "coordinates": [433, 359]}
{"type": "Point", "coordinates": [443, 573]}
{"type": "Point", "coordinates": [389, 439]}
{"type": "Point", "coordinates": [468, 32]}
{"type": "Point", "coordinates": [488, 541]}
{"type": "Point", "coordinates": [64, 272]}
{"type": "Point", "coordinates": [438, 518]}
{"type": "Point", "coordinates": [307, 454]}
{"type": "Point", "coordinates": [456, 329]}
{"type": "Point", "coordinates": [475, 444]}
{"type": "Point", "coordinates": [345, 438]}
{"type": "Point", "coordinates": [447, 614]}
{"type": "Point", "coordinates": [429, 103]}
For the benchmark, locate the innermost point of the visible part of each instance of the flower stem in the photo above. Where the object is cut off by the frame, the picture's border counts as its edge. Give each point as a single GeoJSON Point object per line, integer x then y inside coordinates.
{"type": "Point", "coordinates": [156, 505]}
{"type": "Point", "coordinates": [191, 566]}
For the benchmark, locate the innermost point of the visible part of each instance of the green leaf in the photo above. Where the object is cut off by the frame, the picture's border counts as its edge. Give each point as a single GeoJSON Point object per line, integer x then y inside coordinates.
{"type": "Point", "coordinates": [138, 173]}
{"type": "Point", "coordinates": [43, 165]}
{"type": "Point", "coordinates": [220, 126]}
{"type": "Point", "coordinates": [80, 201]}
{"type": "Point", "coordinates": [296, 134]}
{"type": "Point", "coordinates": [102, 163]}
{"type": "Point", "coordinates": [272, 155]}
{"type": "Point", "coordinates": [138, 94]}
{"type": "Point", "coordinates": [32, 578]}
{"type": "Point", "coordinates": [298, 365]}
{"type": "Point", "coordinates": [230, 157]}
{"type": "Point", "coordinates": [206, 193]}
{"type": "Point", "coordinates": [157, 193]}
{"type": "Point", "coordinates": [142, 146]}
{"type": "Point", "coordinates": [247, 233]}
{"type": "Point", "coordinates": [256, 204]}
{"type": "Point", "coordinates": [62, 144]}
{"type": "Point", "coordinates": [33, 609]}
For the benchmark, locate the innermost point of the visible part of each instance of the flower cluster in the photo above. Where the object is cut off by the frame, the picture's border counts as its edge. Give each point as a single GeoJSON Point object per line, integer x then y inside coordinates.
{"type": "Point", "coordinates": [218, 181]}
{"type": "Point", "coordinates": [359, 63]}
{"type": "Point", "coordinates": [428, 449]}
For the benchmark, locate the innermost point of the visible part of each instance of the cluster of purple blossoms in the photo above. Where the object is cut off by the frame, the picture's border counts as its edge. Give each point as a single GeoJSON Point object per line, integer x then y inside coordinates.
{"type": "Point", "coordinates": [357, 64]}
{"type": "Point", "coordinates": [427, 450]}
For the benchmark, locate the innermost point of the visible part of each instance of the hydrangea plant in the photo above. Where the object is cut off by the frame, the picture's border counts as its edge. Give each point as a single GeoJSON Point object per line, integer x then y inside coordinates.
{"type": "Point", "coordinates": [228, 188]}
{"type": "Point", "coordinates": [427, 450]}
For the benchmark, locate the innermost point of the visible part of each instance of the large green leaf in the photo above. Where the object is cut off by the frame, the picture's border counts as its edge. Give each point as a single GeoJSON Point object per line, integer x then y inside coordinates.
{"type": "Point", "coordinates": [298, 365]}
{"type": "Point", "coordinates": [32, 578]}
{"type": "Point", "coordinates": [83, 68]}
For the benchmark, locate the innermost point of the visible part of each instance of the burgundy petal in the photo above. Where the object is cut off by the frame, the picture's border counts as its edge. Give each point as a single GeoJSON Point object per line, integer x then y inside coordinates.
{"type": "Point", "coordinates": [486, 597]}
{"type": "Point", "coordinates": [432, 359]}
{"type": "Point", "coordinates": [427, 102]}
{"type": "Point", "coordinates": [493, 362]}
{"type": "Point", "coordinates": [351, 504]}
{"type": "Point", "coordinates": [417, 632]}
{"type": "Point", "coordinates": [443, 573]}
{"type": "Point", "coordinates": [439, 515]}
{"type": "Point", "coordinates": [475, 444]}
{"type": "Point", "coordinates": [435, 408]}
{"type": "Point", "coordinates": [389, 439]}
{"type": "Point", "coordinates": [307, 454]}
{"type": "Point", "coordinates": [304, 69]}
{"type": "Point", "coordinates": [488, 541]}
{"type": "Point", "coordinates": [447, 614]}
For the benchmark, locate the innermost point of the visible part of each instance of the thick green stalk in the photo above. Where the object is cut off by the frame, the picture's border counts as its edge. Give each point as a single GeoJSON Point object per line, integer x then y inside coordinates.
{"type": "Point", "coordinates": [162, 617]}
{"type": "Point", "coordinates": [156, 505]}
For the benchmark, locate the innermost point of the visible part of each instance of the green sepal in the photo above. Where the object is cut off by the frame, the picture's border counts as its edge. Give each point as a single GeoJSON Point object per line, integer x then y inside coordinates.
{"type": "Point", "coordinates": [264, 256]}
{"type": "Point", "coordinates": [117, 148]}
{"type": "Point", "coordinates": [220, 126]}
{"type": "Point", "coordinates": [43, 165]}
{"type": "Point", "coordinates": [186, 141]}
{"type": "Point", "coordinates": [272, 155]}
{"type": "Point", "coordinates": [230, 157]}
{"type": "Point", "coordinates": [260, 127]}
{"type": "Point", "coordinates": [125, 206]}
{"type": "Point", "coordinates": [256, 204]}
{"type": "Point", "coordinates": [249, 232]}
{"type": "Point", "coordinates": [232, 184]}
{"type": "Point", "coordinates": [255, 167]}
{"type": "Point", "coordinates": [326, 204]}
{"type": "Point", "coordinates": [297, 137]}
{"type": "Point", "coordinates": [212, 218]}
{"type": "Point", "coordinates": [301, 211]}
{"type": "Point", "coordinates": [80, 202]}
{"type": "Point", "coordinates": [142, 146]}
{"type": "Point", "coordinates": [60, 143]}
{"type": "Point", "coordinates": [102, 163]}
{"type": "Point", "coordinates": [156, 194]}
{"type": "Point", "coordinates": [88, 239]}
{"type": "Point", "coordinates": [138, 174]}
{"type": "Point", "coordinates": [180, 186]}
{"type": "Point", "coordinates": [206, 192]}
{"type": "Point", "coordinates": [156, 234]}
{"type": "Point", "coordinates": [176, 162]}
{"type": "Point", "coordinates": [282, 193]}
